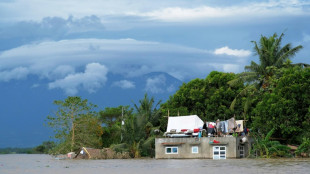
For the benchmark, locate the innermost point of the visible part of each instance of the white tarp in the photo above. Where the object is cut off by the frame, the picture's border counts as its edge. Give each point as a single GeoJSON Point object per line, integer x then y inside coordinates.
{"type": "Point", "coordinates": [184, 122]}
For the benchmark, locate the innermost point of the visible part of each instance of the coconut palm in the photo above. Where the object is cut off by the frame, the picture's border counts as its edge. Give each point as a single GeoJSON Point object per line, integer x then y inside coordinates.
{"type": "Point", "coordinates": [139, 129]}
{"type": "Point", "coordinates": [257, 75]}
{"type": "Point", "coordinates": [148, 110]}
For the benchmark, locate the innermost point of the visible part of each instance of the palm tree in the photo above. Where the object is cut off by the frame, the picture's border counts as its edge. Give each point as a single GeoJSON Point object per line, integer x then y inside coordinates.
{"type": "Point", "coordinates": [148, 121]}
{"type": "Point", "coordinates": [138, 130]}
{"type": "Point", "coordinates": [271, 56]}
{"type": "Point", "coordinates": [147, 110]}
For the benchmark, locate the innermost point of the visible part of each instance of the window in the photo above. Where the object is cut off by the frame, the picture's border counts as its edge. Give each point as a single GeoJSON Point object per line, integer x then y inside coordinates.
{"type": "Point", "coordinates": [172, 150]}
{"type": "Point", "coordinates": [219, 152]}
{"type": "Point", "coordinates": [241, 150]}
{"type": "Point", "coordinates": [194, 149]}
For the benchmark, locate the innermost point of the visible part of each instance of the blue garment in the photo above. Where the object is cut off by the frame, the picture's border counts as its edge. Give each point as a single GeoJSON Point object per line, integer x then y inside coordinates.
{"type": "Point", "coordinates": [226, 126]}
{"type": "Point", "coordinates": [222, 126]}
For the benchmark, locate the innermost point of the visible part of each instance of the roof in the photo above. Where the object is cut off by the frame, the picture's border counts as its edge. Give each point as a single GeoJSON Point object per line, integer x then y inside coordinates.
{"type": "Point", "coordinates": [184, 122]}
{"type": "Point", "coordinates": [90, 153]}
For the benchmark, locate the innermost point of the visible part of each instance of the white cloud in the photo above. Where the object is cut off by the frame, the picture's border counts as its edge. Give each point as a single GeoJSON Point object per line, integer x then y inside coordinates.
{"type": "Point", "coordinates": [232, 52]}
{"type": "Point", "coordinates": [14, 74]}
{"type": "Point", "coordinates": [243, 10]}
{"type": "Point", "coordinates": [181, 10]}
{"type": "Point", "coordinates": [92, 79]}
{"type": "Point", "coordinates": [61, 61]}
{"type": "Point", "coordinates": [61, 71]}
{"type": "Point", "coordinates": [125, 84]}
{"type": "Point", "coordinates": [155, 85]}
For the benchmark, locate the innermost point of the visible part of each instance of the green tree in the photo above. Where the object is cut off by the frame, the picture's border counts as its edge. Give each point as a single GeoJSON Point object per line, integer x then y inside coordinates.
{"type": "Point", "coordinates": [138, 129]}
{"type": "Point", "coordinates": [257, 75]}
{"type": "Point", "coordinates": [219, 94]}
{"type": "Point", "coordinates": [112, 115]}
{"type": "Point", "coordinates": [75, 124]}
{"type": "Point", "coordinates": [148, 110]}
{"type": "Point", "coordinates": [208, 98]}
{"type": "Point", "coordinates": [287, 106]}
{"type": "Point", "coordinates": [45, 147]}
{"type": "Point", "coordinates": [112, 119]}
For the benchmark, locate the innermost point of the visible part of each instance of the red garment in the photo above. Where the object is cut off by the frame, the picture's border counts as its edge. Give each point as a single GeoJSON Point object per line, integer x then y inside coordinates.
{"type": "Point", "coordinates": [214, 141]}
{"type": "Point", "coordinates": [211, 126]}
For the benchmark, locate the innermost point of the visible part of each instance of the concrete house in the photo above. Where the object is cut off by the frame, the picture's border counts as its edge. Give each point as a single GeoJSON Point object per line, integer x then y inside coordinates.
{"type": "Point", "coordinates": [183, 141]}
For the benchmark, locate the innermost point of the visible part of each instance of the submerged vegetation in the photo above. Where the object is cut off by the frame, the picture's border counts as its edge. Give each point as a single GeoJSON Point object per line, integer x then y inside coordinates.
{"type": "Point", "coordinates": [266, 148]}
{"type": "Point", "coordinates": [273, 96]}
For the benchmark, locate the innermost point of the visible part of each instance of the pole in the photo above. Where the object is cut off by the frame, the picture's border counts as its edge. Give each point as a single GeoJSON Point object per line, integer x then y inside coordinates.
{"type": "Point", "coordinates": [122, 123]}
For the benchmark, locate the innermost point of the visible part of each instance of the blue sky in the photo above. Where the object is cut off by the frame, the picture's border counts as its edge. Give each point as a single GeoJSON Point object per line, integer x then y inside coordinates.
{"type": "Point", "coordinates": [71, 47]}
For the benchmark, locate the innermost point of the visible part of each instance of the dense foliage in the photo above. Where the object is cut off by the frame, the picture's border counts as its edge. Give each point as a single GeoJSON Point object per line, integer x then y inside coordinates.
{"type": "Point", "coordinates": [286, 106]}
{"type": "Point", "coordinates": [264, 147]}
{"type": "Point", "coordinates": [304, 148]}
{"type": "Point", "coordinates": [209, 98]}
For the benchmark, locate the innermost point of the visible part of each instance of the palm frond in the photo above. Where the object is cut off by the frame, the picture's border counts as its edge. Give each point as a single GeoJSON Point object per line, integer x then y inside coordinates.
{"type": "Point", "coordinates": [288, 54]}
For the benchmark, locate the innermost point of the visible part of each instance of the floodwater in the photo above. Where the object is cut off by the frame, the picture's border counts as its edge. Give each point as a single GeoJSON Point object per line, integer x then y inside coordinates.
{"type": "Point", "coordinates": [45, 164]}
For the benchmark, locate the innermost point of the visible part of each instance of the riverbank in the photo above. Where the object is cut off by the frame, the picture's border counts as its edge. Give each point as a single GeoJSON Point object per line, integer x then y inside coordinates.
{"type": "Point", "coordinates": [37, 164]}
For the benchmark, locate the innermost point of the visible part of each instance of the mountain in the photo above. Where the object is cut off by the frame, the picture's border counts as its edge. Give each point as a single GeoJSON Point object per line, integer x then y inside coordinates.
{"type": "Point", "coordinates": [25, 104]}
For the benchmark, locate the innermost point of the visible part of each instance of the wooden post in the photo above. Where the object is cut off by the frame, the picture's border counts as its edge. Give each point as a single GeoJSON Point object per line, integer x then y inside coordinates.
{"type": "Point", "coordinates": [234, 123]}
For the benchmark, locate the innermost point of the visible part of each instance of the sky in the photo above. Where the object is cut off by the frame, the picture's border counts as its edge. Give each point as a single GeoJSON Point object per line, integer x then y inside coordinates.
{"type": "Point", "coordinates": [50, 49]}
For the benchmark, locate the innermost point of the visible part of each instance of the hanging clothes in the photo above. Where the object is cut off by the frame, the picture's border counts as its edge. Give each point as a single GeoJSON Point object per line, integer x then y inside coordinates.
{"type": "Point", "coordinates": [211, 130]}
{"type": "Point", "coordinates": [231, 124]}
{"type": "Point", "coordinates": [226, 126]}
{"type": "Point", "coordinates": [211, 125]}
{"type": "Point", "coordinates": [239, 124]}
{"type": "Point", "coordinates": [217, 126]}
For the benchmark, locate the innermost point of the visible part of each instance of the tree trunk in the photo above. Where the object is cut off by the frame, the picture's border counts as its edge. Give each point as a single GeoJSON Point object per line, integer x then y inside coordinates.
{"type": "Point", "coordinates": [72, 142]}
{"type": "Point", "coordinates": [73, 130]}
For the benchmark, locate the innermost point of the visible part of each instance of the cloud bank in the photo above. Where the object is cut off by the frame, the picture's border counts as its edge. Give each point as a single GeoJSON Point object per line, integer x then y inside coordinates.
{"type": "Point", "coordinates": [161, 10]}
{"type": "Point", "coordinates": [124, 56]}
{"type": "Point", "coordinates": [92, 79]}
{"type": "Point", "coordinates": [61, 62]}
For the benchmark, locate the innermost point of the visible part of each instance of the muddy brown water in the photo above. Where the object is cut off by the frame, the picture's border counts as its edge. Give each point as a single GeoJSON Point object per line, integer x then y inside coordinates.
{"type": "Point", "coordinates": [45, 164]}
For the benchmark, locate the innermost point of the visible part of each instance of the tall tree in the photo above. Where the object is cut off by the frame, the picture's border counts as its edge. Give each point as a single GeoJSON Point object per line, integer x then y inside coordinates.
{"type": "Point", "coordinates": [139, 128]}
{"type": "Point", "coordinates": [112, 119]}
{"type": "Point", "coordinates": [148, 110]}
{"type": "Point", "coordinates": [111, 115]}
{"type": "Point", "coordinates": [75, 124]}
{"type": "Point", "coordinates": [271, 56]}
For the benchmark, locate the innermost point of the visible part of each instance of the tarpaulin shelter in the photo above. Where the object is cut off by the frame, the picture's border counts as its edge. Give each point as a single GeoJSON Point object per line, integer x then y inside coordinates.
{"type": "Point", "coordinates": [178, 123]}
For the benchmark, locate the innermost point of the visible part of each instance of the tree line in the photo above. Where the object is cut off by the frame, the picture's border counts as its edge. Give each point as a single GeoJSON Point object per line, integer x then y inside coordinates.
{"type": "Point", "coordinates": [272, 96]}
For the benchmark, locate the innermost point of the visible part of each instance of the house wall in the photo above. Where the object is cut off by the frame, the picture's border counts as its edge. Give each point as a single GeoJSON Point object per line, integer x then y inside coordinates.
{"type": "Point", "coordinates": [205, 149]}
